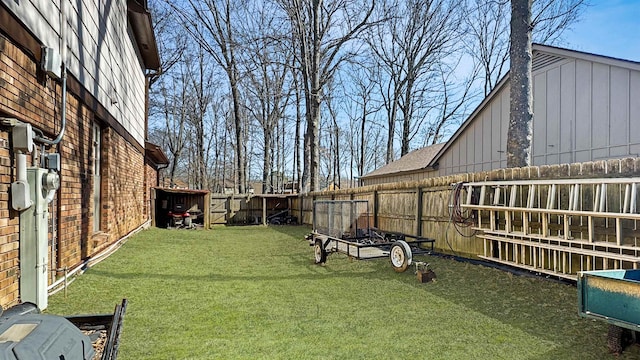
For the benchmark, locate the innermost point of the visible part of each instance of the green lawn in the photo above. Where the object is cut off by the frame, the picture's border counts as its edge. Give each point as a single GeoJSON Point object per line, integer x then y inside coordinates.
{"type": "Point", "coordinates": [254, 292]}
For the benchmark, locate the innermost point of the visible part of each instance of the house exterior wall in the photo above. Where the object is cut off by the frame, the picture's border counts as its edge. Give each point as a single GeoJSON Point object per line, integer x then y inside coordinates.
{"type": "Point", "coordinates": [123, 187]}
{"type": "Point", "coordinates": [29, 96]}
{"type": "Point", "coordinates": [101, 54]}
{"type": "Point", "coordinates": [151, 181]}
{"type": "Point", "coordinates": [600, 119]}
{"type": "Point", "coordinates": [583, 111]}
{"type": "Point", "coordinates": [482, 144]}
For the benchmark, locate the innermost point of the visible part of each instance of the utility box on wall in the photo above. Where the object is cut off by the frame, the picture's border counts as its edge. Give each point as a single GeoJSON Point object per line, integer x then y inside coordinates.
{"type": "Point", "coordinates": [52, 62]}
{"type": "Point", "coordinates": [34, 237]}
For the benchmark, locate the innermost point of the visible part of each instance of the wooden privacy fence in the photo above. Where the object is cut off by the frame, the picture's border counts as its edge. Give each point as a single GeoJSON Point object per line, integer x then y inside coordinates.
{"type": "Point", "coordinates": [569, 242]}
{"type": "Point", "coordinates": [246, 209]}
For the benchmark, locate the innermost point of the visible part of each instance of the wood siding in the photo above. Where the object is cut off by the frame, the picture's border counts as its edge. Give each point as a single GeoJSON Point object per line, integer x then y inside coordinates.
{"type": "Point", "coordinates": [481, 145]}
{"type": "Point", "coordinates": [102, 52]}
{"type": "Point", "coordinates": [584, 110]}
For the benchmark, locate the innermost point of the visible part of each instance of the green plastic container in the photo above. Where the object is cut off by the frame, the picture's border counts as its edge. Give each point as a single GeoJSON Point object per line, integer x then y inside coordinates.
{"type": "Point", "coordinates": [611, 295]}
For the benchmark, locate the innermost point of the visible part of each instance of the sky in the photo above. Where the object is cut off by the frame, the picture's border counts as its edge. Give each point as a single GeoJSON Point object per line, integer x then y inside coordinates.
{"type": "Point", "coordinates": [608, 27]}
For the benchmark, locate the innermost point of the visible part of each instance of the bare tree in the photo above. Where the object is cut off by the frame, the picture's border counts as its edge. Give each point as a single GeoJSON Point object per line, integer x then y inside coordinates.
{"type": "Point", "coordinates": [334, 135]}
{"type": "Point", "coordinates": [218, 144]}
{"type": "Point", "coordinates": [173, 104]}
{"type": "Point", "coordinates": [201, 80]}
{"type": "Point", "coordinates": [410, 46]}
{"type": "Point", "coordinates": [322, 29]}
{"type": "Point", "coordinates": [170, 38]}
{"type": "Point", "coordinates": [550, 18]}
{"type": "Point", "coordinates": [267, 73]}
{"type": "Point", "coordinates": [359, 103]}
{"type": "Point", "coordinates": [211, 24]}
{"type": "Point", "coordinates": [298, 93]}
{"type": "Point", "coordinates": [487, 23]}
{"type": "Point", "coordinates": [451, 100]}
{"type": "Point", "coordinates": [488, 27]}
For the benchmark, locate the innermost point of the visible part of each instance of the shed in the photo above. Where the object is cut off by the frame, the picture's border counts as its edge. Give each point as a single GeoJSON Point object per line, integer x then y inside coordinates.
{"type": "Point", "coordinates": [166, 200]}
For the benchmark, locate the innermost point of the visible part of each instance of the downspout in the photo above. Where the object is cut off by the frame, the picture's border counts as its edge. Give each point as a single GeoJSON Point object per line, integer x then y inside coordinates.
{"type": "Point", "coordinates": [158, 168]}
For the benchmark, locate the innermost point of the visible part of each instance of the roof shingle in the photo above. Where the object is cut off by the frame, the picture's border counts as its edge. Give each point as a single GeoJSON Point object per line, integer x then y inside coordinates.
{"type": "Point", "coordinates": [415, 160]}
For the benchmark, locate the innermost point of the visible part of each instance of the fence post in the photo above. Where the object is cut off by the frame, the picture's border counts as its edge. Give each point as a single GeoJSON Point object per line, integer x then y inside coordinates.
{"type": "Point", "coordinates": [229, 210]}
{"type": "Point", "coordinates": [375, 208]}
{"type": "Point", "coordinates": [207, 211]}
{"type": "Point", "coordinates": [301, 206]}
{"type": "Point", "coordinates": [313, 213]}
{"type": "Point", "coordinates": [264, 210]}
{"type": "Point", "coordinates": [419, 211]}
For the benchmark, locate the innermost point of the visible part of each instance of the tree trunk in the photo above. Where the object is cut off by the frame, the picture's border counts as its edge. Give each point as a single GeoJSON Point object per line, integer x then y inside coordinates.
{"type": "Point", "coordinates": [297, 162]}
{"type": "Point", "coordinates": [313, 134]}
{"type": "Point", "coordinates": [240, 163]}
{"type": "Point", "coordinates": [362, 142]}
{"type": "Point", "coordinates": [521, 110]}
{"type": "Point", "coordinates": [267, 183]}
{"type": "Point", "coordinates": [391, 131]}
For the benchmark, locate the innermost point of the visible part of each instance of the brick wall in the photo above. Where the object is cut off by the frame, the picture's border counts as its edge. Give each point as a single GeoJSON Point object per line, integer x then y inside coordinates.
{"type": "Point", "coordinates": [151, 181]}
{"type": "Point", "coordinates": [9, 227]}
{"type": "Point", "coordinates": [123, 190]}
{"type": "Point", "coordinates": [26, 94]}
{"type": "Point", "coordinates": [75, 200]}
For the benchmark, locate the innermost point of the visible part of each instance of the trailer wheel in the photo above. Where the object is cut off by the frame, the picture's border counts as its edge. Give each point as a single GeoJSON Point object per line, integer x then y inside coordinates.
{"type": "Point", "coordinates": [320, 254]}
{"type": "Point", "coordinates": [400, 256]}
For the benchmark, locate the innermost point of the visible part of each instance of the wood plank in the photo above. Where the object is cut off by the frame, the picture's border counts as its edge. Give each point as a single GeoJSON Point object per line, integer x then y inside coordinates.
{"type": "Point", "coordinates": [537, 237]}
{"type": "Point", "coordinates": [607, 215]}
{"type": "Point", "coordinates": [569, 250]}
{"type": "Point", "coordinates": [589, 181]}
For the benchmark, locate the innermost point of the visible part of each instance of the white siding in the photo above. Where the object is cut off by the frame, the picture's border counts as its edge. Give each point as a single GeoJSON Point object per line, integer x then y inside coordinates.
{"type": "Point", "coordinates": [102, 53]}
{"type": "Point", "coordinates": [481, 146]}
{"type": "Point", "coordinates": [584, 111]}
{"type": "Point", "coordinates": [634, 112]}
{"type": "Point", "coordinates": [567, 112]}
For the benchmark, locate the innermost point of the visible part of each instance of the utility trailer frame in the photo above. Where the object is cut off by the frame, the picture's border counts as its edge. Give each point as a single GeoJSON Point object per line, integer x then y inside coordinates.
{"type": "Point", "coordinates": [343, 226]}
